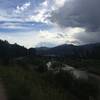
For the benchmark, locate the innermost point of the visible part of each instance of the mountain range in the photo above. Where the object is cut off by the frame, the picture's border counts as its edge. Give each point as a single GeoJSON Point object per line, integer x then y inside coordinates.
{"type": "Point", "coordinates": [72, 51]}
{"type": "Point", "coordinates": [8, 50]}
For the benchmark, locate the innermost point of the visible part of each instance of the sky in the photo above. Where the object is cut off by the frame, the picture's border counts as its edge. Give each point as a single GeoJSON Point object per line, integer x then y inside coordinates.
{"type": "Point", "coordinates": [36, 23]}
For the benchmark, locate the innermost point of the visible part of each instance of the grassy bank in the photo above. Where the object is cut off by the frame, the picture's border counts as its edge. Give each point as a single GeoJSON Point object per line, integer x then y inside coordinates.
{"type": "Point", "coordinates": [28, 79]}
{"type": "Point", "coordinates": [24, 84]}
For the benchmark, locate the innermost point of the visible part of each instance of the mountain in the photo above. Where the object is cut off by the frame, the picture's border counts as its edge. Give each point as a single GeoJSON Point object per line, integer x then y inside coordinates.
{"type": "Point", "coordinates": [8, 50]}
{"type": "Point", "coordinates": [72, 51]}
{"type": "Point", "coordinates": [41, 50]}
{"type": "Point", "coordinates": [62, 50]}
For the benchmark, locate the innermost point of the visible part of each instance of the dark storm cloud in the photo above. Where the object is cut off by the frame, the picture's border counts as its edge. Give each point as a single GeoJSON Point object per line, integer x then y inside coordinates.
{"type": "Point", "coordinates": [86, 38]}
{"type": "Point", "coordinates": [78, 13]}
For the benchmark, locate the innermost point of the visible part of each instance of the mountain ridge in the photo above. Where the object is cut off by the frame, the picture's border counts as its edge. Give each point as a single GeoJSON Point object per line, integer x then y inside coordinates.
{"type": "Point", "coordinates": [66, 50]}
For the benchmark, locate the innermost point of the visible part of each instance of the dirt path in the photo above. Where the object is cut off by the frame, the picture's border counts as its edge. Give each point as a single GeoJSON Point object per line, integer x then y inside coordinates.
{"type": "Point", "coordinates": [2, 92]}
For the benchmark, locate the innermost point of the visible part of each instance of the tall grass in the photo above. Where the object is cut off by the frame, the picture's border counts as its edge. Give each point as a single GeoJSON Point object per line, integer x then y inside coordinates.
{"type": "Point", "coordinates": [24, 84]}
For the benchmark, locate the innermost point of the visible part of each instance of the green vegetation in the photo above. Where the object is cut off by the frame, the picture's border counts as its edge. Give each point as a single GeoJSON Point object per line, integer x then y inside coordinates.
{"type": "Point", "coordinates": [91, 65]}
{"type": "Point", "coordinates": [26, 76]}
{"type": "Point", "coordinates": [28, 79]}
{"type": "Point", "coordinates": [24, 84]}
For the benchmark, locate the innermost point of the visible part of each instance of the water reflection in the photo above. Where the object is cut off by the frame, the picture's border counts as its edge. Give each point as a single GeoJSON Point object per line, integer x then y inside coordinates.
{"type": "Point", "coordinates": [75, 72]}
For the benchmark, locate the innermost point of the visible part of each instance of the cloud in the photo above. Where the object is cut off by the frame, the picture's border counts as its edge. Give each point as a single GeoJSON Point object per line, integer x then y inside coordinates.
{"type": "Point", "coordinates": [22, 38]}
{"type": "Point", "coordinates": [58, 3]}
{"type": "Point", "coordinates": [82, 14]}
{"type": "Point", "coordinates": [33, 38]}
{"type": "Point", "coordinates": [41, 13]}
{"type": "Point", "coordinates": [50, 22]}
{"type": "Point", "coordinates": [30, 39]}
{"type": "Point", "coordinates": [87, 38]}
{"type": "Point", "coordinates": [20, 26]}
{"type": "Point", "coordinates": [55, 37]}
{"type": "Point", "coordinates": [39, 17]}
{"type": "Point", "coordinates": [78, 13]}
{"type": "Point", "coordinates": [20, 9]}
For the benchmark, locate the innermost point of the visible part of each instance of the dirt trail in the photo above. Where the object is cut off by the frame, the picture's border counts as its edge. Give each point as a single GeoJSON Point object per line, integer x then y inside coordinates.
{"type": "Point", "coordinates": [2, 92]}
